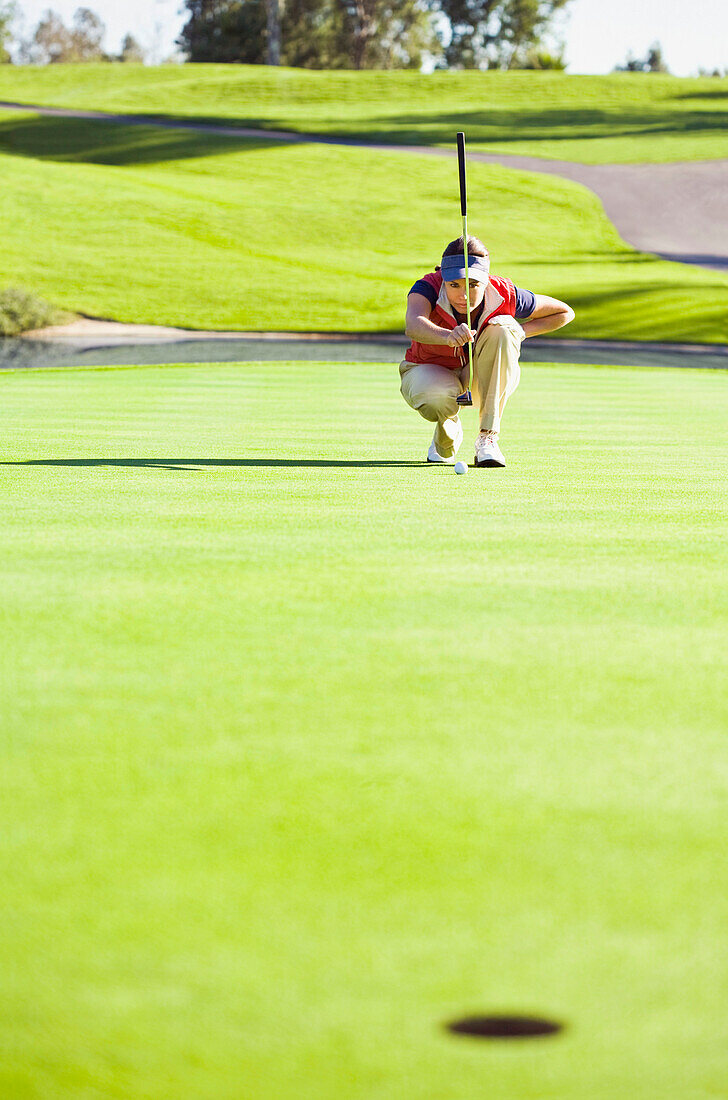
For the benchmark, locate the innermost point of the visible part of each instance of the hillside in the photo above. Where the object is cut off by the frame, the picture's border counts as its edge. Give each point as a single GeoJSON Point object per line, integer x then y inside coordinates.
{"type": "Point", "coordinates": [624, 117]}
{"type": "Point", "coordinates": [171, 227]}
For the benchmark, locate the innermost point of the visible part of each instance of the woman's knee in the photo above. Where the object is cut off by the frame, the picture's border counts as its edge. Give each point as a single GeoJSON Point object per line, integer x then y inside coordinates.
{"type": "Point", "coordinates": [502, 328]}
{"type": "Point", "coordinates": [435, 405]}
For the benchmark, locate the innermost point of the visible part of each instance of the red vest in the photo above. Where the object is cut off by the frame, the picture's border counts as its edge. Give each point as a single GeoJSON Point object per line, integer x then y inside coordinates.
{"type": "Point", "coordinates": [500, 297]}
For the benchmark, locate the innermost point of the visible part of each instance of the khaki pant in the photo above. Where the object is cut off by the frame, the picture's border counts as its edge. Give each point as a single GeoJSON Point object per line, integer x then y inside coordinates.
{"type": "Point", "coordinates": [432, 390]}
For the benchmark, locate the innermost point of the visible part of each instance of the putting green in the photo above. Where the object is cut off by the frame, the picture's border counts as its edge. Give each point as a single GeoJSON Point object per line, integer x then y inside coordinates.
{"type": "Point", "coordinates": [310, 748]}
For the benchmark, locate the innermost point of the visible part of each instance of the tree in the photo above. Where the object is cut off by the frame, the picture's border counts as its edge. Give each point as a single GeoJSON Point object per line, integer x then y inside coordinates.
{"type": "Point", "coordinates": [496, 34]}
{"type": "Point", "coordinates": [87, 35]}
{"type": "Point", "coordinates": [387, 34]}
{"type": "Point", "coordinates": [653, 62]}
{"type": "Point", "coordinates": [357, 34]}
{"type": "Point", "coordinates": [225, 30]}
{"type": "Point", "coordinates": [334, 34]}
{"type": "Point", "coordinates": [53, 42]}
{"type": "Point", "coordinates": [273, 32]}
{"type": "Point", "coordinates": [542, 59]}
{"type": "Point", "coordinates": [8, 14]}
{"type": "Point", "coordinates": [131, 50]}
{"type": "Point", "coordinates": [313, 35]}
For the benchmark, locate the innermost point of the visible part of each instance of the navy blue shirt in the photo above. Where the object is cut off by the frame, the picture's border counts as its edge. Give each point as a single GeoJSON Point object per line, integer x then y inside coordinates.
{"type": "Point", "coordinates": [525, 300]}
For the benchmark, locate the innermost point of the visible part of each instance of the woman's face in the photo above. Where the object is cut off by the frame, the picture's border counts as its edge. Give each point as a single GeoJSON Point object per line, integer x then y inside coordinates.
{"type": "Point", "coordinates": [455, 291]}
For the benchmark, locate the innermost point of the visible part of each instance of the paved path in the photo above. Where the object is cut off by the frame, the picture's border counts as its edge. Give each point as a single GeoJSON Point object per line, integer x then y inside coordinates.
{"type": "Point", "coordinates": [105, 343]}
{"type": "Point", "coordinates": [678, 211]}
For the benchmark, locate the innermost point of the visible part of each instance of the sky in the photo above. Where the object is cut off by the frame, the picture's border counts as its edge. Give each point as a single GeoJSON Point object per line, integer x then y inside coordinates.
{"type": "Point", "coordinates": [598, 34]}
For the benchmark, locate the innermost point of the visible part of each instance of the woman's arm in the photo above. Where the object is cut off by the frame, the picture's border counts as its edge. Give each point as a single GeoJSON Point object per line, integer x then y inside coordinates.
{"type": "Point", "coordinates": [548, 315]}
{"type": "Point", "coordinates": [418, 325]}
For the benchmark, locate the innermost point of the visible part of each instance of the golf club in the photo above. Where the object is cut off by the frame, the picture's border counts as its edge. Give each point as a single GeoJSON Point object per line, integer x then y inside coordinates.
{"type": "Point", "coordinates": [467, 397]}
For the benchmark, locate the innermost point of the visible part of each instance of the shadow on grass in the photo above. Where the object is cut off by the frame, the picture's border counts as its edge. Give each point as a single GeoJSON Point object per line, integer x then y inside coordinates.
{"type": "Point", "coordinates": [715, 260]}
{"type": "Point", "coordinates": [90, 141]}
{"type": "Point", "coordinates": [191, 463]}
{"type": "Point", "coordinates": [544, 125]}
{"type": "Point", "coordinates": [142, 139]}
{"type": "Point", "coordinates": [713, 93]}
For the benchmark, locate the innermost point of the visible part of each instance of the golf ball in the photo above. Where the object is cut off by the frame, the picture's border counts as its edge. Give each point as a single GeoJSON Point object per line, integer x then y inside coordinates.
{"type": "Point", "coordinates": [461, 467]}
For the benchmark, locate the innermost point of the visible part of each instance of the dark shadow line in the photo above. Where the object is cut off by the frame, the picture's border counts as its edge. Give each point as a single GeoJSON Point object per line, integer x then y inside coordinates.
{"type": "Point", "coordinates": [717, 262]}
{"type": "Point", "coordinates": [184, 463]}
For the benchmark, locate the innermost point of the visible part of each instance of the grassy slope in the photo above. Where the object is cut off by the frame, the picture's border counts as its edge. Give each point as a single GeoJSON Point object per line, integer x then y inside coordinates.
{"type": "Point", "coordinates": [148, 225]}
{"type": "Point", "coordinates": [305, 754]}
{"type": "Point", "coordinates": [605, 119]}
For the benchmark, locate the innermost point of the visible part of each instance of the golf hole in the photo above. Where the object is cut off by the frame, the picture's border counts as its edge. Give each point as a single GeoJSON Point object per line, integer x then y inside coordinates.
{"type": "Point", "coordinates": [504, 1027]}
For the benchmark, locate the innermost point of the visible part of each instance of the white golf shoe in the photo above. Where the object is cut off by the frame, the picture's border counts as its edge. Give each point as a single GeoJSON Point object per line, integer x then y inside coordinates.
{"type": "Point", "coordinates": [487, 451]}
{"type": "Point", "coordinates": [434, 456]}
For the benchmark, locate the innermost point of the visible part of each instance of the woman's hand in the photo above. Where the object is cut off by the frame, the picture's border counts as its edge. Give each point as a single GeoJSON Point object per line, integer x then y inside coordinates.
{"type": "Point", "coordinates": [418, 325]}
{"type": "Point", "coordinates": [460, 335]}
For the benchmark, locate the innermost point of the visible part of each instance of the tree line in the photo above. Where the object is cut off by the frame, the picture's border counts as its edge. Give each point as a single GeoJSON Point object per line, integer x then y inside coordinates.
{"type": "Point", "coordinates": [329, 34]}
{"type": "Point", "coordinates": [52, 41]}
{"type": "Point", "coordinates": [317, 34]}
{"type": "Point", "coordinates": [373, 34]}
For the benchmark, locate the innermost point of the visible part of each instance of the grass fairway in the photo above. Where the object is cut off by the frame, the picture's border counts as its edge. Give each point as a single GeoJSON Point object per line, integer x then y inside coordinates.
{"type": "Point", "coordinates": [627, 117]}
{"type": "Point", "coordinates": [160, 226]}
{"type": "Point", "coordinates": [309, 748]}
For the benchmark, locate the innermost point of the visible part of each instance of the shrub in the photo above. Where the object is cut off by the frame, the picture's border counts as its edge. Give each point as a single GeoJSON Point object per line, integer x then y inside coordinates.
{"type": "Point", "coordinates": [21, 312]}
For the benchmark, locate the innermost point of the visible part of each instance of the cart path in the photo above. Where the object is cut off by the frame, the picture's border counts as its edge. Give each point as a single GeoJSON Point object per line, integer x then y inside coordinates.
{"type": "Point", "coordinates": [94, 343]}
{"type": "Point", "coordinates": [678, 211]}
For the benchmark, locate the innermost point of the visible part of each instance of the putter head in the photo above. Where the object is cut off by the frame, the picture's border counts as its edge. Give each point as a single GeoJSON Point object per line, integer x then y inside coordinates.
{"type": "Point", "coordinates": [465, 398]}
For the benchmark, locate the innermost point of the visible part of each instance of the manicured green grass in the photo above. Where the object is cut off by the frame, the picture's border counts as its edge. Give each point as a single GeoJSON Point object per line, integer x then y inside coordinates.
{"type": "Point", "coordinates": [149, 225]}
{"type": "Point", "coordinates": [309, 748]}
{"type": "Point", "coordinates": [628, 117]}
